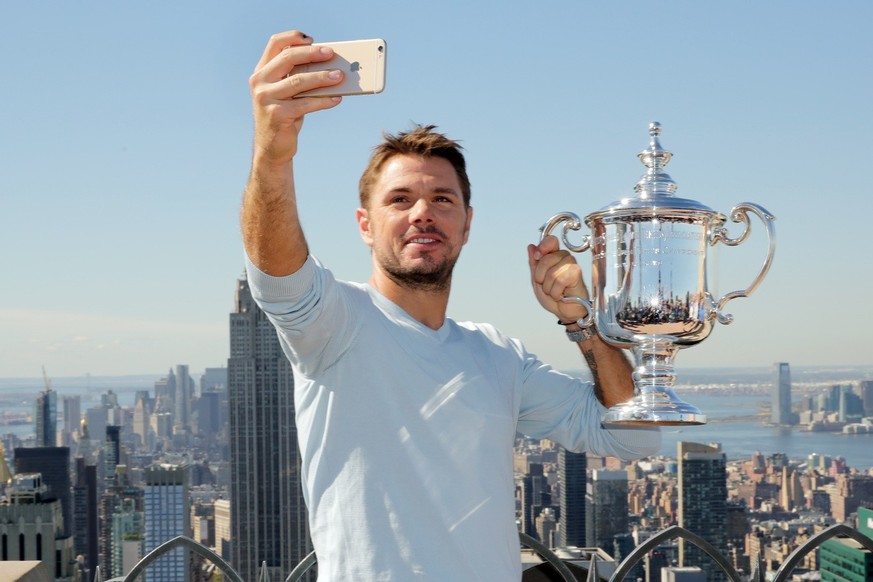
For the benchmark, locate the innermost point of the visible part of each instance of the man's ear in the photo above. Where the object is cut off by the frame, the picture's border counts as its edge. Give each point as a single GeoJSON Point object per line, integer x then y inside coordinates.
{"type": "Point", "coordinates": [467, 226]}
{"type": "Point", "coordinates": [363, 219]}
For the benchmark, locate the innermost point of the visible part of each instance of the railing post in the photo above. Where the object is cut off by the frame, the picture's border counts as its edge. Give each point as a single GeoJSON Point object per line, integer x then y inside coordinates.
{"type": "Point", "coordinates": [548, 555]}
{"type": "Point", "coordinates": [301, 568]}
{"type": "Point", "coordinates": [190, 544]}
{"type": "Point", "coordinates": [673, 532]}
{"type": "Point", "coordinates": [800, 551]}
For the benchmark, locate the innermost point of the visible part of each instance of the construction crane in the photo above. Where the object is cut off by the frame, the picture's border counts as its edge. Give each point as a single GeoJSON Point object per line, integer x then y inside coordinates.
{"type": "Point", "coordinates": [45, 378]}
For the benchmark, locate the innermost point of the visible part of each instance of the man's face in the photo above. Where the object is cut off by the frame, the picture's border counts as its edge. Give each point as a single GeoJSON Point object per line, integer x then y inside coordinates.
{"type": "Point", "coordinates": [416, 222]}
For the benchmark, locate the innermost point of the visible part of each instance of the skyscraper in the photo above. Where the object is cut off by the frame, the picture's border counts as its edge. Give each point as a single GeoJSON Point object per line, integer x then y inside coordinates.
{"type": "Point", "coordinates": [844, 559]}
{"type": "Point", "coordinates": [54, 465]}
{"type": "Point", "coordinates": [46, 417]}
{"type": "Point", "coordinates": [184, 394]}
{"type": "Point", "coordinates": [32, 529]}
{"type": "Point", "coordinates": [606, 510]}
{"type": "Point", "coordinates": [126, 538]}
{"type": "Point", "coordinates": [572, 469]}
{"type": "Point", "coordinates": [141, 423]}
{"type": "Point", "coordinates": [535, 496]}
{"type": "Point", "coordinates": [222, 527]}
{"type": "Point", "coordinates": [268, 517]}
{"type": "Point", "coordinates": [166, 516]}
{"type": "Point", "coordinates": [791, 496]}
{"type": "Point", "coordinates": [85, 519]}
{"type": "Point", "coordinates": [111, 453]}
{"type": "Point", "coordinates": [121, 513]}
{"type": "Point", "coordinates": [72, 406]}
{"type": "Point", "coordinates": [780, 406]}
{"type": "Point", "coordinates": [702, 504]}
{"type": "Point", "coordinates": [866, 388]}
{"type": "Point", "coordinates": [212, 408]}
{"type": "Point", "coordinates": [5, 473]}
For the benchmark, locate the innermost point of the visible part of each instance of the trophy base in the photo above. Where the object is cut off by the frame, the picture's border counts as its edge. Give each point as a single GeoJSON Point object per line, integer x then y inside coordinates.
{"type": "Point", "coordinates": [654, 412]}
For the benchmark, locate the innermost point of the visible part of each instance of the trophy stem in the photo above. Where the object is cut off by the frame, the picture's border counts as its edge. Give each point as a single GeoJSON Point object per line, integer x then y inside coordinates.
{"type": "Point", "coordinates": [655, 403]}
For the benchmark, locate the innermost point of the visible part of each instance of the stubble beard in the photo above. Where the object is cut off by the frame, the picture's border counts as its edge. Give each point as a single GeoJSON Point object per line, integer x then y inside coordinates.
{"type": "Point", "coordinates": [431, 276]}
{"type": "Point", "coordinates": [435, 279]}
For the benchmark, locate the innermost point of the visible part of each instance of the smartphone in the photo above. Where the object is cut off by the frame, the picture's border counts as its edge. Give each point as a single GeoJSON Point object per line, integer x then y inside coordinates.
{"type": "Point", "coordinates": [362, 63]}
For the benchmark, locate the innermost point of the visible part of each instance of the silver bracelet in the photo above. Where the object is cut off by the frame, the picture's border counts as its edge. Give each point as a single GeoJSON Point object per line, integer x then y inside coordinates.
{"type": "Point", "coordinates": [580, 335]}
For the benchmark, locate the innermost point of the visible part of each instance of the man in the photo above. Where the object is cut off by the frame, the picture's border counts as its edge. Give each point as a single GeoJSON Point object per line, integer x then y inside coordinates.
{"type": "Point", "coordinates": [406, 419]}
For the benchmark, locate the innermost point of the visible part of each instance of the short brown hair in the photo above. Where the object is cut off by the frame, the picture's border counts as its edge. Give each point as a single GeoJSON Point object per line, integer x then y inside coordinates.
{"type": "Point", "coordinates": [420, 141]}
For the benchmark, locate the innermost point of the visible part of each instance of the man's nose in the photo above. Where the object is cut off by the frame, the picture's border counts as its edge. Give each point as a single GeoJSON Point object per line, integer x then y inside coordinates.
{"type": "Point", "coordinates": [421, 212]}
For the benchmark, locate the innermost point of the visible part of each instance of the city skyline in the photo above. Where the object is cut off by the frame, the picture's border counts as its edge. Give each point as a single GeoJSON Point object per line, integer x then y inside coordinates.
{"type": "Point", "coordinates": [736, 400]}
{"type": "Point", "coordinates": [123, 195]}
{"type": "Point", "coordinates": [774, 487]}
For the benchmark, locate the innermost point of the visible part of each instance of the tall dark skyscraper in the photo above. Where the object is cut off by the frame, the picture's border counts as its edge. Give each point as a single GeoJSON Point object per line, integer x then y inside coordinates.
{"type": "Point", "coordinates": [85, 517]}
{"type": "Point", "coordinates": [111, 453]}
{"type": "Point", "coordinates": [606, 509]}
{"type": "Point", "coordinates": [46, 417]}
{"type": "Point", "coordinates": [702, 504]}
{"type": "Point", "coordinates": [54, 464]}
{"type": "Point", "coordinates": [780, 406]}
{"type": "Point", "coordinates": [867, 396]}
{"type": "Point", "coordinates": [536, 495]}
{"type": "Point", "coordinates": [268, 516]}
{"type": "Point", "coordinates": [571, 477]}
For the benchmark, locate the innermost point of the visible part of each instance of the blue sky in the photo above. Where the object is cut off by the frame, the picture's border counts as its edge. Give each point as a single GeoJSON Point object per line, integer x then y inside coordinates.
{"type": "Point", "coordinates": [125, 137]}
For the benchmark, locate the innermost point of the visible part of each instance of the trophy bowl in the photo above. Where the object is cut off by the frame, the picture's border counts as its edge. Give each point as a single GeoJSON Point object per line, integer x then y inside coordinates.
{"type": "Point", "coordinates": [650, 290]}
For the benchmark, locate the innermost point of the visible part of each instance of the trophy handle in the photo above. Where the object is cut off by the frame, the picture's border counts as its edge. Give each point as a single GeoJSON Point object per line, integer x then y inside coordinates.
{"type": "Point", "coordinates": [572, 223]}
{"type": "Point", "coordinates": [740, 213]}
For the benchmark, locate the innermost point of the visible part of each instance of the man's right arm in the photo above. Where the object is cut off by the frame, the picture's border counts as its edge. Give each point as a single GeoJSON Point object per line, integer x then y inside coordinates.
{"type": "Point", "coordinates": [271, 230]}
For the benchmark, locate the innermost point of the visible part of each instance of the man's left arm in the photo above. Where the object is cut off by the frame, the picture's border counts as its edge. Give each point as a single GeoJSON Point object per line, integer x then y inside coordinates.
{"type": "Point", "coordinates": [555, 274]}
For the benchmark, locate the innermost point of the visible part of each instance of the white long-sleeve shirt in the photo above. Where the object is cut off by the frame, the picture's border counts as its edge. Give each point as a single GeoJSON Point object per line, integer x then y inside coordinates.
{"type": "Point", "coordinates": [406, 433]}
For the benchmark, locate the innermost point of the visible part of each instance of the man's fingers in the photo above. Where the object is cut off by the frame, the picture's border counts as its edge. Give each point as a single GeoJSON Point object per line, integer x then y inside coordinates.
{"type": "Point", "coordinates": [276, 93]}
{"type": "Point", "coordinates": [547, 262]}
{"type": "Point", "coordinates": [549, 244]}
{"type": "Point", "coordinates": [559, 274]}
{"type": "Point", "coordinates": [293, 59]}
{"type": "Point", "coordinates": [278, 42]}
{"type": "Point", "coordinates": [287, 64]}
{"type": "Point", "coordinates": [293, 85]}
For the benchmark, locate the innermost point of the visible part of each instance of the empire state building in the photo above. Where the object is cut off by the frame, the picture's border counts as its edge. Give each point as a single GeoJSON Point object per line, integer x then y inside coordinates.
{"type": "Point", "coordinates": [268, 516]}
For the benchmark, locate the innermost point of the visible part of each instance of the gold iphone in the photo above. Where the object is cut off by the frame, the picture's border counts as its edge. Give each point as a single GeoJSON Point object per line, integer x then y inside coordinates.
{"type": "Point", "coordinates": [362, 63]}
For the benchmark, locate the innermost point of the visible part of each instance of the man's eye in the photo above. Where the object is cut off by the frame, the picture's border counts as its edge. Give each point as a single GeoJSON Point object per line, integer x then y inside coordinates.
{"type": "Point", "coordinates": [399, 200]}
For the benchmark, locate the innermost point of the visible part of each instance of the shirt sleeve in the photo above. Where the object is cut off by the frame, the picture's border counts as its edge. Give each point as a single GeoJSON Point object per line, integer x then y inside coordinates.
{"type": "Point", "coordinates": [310, 311]}
{"type": "Point", "coordinates": [565, 409]}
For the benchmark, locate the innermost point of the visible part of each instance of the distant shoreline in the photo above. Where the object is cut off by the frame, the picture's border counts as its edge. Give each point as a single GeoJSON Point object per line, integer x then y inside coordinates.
{"type": "Point", "coordinates": [688, 378]}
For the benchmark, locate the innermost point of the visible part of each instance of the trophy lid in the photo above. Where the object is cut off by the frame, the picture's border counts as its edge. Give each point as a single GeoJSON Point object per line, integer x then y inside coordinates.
{"type": "Point", "coordinates": [655, 190]}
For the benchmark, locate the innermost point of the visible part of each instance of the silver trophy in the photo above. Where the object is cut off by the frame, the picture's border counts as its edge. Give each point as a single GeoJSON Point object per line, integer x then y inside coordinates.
{"type": "Point", "coordinates": [650, 289]}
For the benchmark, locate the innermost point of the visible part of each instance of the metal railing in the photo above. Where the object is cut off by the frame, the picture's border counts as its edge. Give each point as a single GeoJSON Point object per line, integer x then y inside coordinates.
{"type": "Point", "coordinates": [638, 554]}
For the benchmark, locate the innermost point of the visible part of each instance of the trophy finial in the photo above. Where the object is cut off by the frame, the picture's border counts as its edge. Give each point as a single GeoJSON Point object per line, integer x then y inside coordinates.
{"type": "Point", "coordinates": [655, 145]}
{"type": "Point", "coordinates": [655, 181]}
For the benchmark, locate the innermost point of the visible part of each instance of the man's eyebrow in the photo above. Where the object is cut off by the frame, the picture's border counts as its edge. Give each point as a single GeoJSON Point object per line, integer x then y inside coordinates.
{"type": "Point", "coordinates": [435, 190]}
{"type": "Point", "coordinates": [445, 190]}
